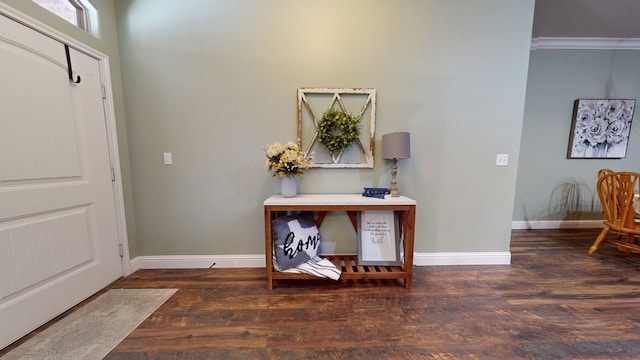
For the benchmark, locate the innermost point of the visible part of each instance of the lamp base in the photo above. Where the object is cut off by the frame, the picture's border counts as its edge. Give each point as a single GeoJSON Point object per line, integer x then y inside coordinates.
{"type": "Point", "coordinates": [394, 184]}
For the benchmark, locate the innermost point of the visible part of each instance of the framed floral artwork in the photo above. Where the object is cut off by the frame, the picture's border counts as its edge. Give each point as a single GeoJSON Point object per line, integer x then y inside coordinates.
{"type": "Point", "coordinates": [600, 128]}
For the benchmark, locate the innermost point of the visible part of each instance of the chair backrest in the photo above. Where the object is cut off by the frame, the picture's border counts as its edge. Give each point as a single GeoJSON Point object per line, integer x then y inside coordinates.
{"type": "Point", "coordinates": [604, 172]}
{"type": "Point", "coordinates": [616, 191]}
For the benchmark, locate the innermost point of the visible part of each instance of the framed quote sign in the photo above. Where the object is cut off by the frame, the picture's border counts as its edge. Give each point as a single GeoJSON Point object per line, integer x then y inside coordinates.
{"type": "Point", "coordinates": [378, 238]}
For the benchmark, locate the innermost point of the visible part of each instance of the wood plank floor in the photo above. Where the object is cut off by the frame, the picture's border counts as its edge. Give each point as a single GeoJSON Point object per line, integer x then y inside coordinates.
{"type": "Point", "coordinates": [553, 302]}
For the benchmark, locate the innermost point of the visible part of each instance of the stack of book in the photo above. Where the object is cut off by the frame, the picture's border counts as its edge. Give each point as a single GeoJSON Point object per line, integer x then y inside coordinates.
{"type": "Point", "coordinates": [376, 192]}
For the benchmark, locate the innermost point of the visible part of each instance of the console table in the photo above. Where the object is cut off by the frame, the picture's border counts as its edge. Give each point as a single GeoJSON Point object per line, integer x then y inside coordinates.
{"type": "Point", "coordinates": [405, 207]}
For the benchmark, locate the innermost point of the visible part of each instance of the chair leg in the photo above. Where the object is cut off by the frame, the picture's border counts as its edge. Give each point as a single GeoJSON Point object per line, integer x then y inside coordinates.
{"type": "Point", "coordinates": [599, 239]}
{"type": "Point", "coordinates": [631, 240]}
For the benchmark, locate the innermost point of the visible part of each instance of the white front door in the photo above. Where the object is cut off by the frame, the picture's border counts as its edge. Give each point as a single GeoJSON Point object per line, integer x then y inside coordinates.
{"type": "Point", "coordinates": [58, 228]}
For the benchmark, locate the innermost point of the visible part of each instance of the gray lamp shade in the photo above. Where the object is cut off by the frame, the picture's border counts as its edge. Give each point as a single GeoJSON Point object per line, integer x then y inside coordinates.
{"type": "Point", "coordinates": [396, 145]}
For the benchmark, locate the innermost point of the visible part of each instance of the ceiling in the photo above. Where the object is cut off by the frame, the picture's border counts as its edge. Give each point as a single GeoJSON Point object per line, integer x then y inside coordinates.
{"type": "Point", "coordinates": [587, 18]}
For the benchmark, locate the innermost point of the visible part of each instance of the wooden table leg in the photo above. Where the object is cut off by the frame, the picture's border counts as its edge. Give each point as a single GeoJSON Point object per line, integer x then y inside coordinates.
{"type": "Point", "coordinates": [268, 247]}
{"type": "Point", "coordinates": [408, 227]}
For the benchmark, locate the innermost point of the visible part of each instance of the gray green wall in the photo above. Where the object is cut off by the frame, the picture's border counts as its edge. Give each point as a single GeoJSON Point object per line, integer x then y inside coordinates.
{"type": "Point", "coordinates": [105, 42]}
{"type": "Point", "coordinates": [550, 186]}
{"type": "Point", "coordinates": [212, 81]}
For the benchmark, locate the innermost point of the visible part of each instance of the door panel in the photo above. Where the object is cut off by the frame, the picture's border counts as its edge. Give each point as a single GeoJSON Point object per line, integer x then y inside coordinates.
{"type": "Point", "coordinates": [45, 147]}
{"type": "Point", "coordinates": [38, 248]}
{"type": "Point", "coordinates": [58, 229]}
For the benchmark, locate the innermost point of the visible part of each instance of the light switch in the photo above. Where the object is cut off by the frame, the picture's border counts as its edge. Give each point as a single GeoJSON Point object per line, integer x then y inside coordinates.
{"type": "Point", "coordinates": [168, 158]}
{"type": "Point", "coordinates": [502, 159]}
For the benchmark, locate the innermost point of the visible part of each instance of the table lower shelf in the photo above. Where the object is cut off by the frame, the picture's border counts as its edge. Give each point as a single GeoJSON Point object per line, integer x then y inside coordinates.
{"type": "Point", "coordinates": [351, 270]}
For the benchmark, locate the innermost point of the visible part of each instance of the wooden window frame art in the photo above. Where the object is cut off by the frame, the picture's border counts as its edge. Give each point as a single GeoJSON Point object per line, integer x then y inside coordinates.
{"type": "Point", "coordinates": [359, 154]}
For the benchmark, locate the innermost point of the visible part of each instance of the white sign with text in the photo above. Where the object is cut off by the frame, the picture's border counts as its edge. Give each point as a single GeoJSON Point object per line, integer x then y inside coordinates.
{"type": "Point", "coordinates": [378, 243]}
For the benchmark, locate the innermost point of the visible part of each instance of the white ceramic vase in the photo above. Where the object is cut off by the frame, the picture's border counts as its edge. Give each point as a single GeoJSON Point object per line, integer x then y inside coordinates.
{"type": "Point", "coordinates": [289, 187]}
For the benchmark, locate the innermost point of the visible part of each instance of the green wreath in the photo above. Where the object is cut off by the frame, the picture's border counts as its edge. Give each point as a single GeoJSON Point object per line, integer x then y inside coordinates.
{"type": "Point", "coordinates": [338, 130]}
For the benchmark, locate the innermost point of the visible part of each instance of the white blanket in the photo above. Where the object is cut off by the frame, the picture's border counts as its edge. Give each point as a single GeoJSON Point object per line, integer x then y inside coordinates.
{"type": "Point", "coordinates": [317, 266]}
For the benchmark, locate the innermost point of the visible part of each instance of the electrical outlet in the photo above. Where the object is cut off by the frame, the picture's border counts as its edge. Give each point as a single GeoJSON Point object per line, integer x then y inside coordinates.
{"type": "Point", "coordinates": [502, 159]}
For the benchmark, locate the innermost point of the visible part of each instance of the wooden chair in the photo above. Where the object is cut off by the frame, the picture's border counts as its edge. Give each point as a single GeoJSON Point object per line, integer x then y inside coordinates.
{"type": "Point", "coordinates": [602, 172]}
{"type": "Point", "coordinates": [616, 191]}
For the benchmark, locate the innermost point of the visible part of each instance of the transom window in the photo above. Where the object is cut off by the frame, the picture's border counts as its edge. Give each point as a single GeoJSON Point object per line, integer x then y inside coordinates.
{"type": "Point", "coordinates": [76, 12]}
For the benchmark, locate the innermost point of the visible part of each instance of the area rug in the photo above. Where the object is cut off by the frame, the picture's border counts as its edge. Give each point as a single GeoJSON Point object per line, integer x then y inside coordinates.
{"type": "Point", "coordinates": [95, 329]}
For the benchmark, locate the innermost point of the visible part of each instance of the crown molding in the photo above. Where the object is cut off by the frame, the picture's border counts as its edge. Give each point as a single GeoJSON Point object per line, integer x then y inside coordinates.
{"type": "Point", "coordinates": [568, 43]}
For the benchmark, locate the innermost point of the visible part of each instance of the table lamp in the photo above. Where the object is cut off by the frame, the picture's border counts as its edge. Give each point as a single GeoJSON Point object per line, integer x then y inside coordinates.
{"type": "Point", "coordinates": [395, 146]}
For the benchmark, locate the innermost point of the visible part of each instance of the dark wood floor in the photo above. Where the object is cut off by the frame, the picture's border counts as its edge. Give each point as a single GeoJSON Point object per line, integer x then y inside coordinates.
{"type": "Point", "coordinates": [553, 302]}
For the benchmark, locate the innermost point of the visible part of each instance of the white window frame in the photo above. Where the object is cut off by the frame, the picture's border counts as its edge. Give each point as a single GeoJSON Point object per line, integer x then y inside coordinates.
{"type": "Point", "coordinates": [86, 14]}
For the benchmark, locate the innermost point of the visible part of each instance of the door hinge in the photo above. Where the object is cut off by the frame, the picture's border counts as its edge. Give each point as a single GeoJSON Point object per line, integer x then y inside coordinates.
{"type": "Point", "coordinates": [104, 92]}
{"type": "Point", "coordinates": [121, 250]}
{"type": "Point", "coordinates": [113, 174]}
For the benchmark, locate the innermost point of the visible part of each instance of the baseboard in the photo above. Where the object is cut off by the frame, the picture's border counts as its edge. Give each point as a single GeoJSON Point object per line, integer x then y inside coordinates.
{"type": "Point", "coordinates": [196, 261]}
{"type": "Point", "coordinates": [257, 261]}
{"type": "Point", "coordinates": [462, 258]}
{"type": "Point", "coordinates": [557, 224]}
{"type": "Point", "coordinates": [419, 259]}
